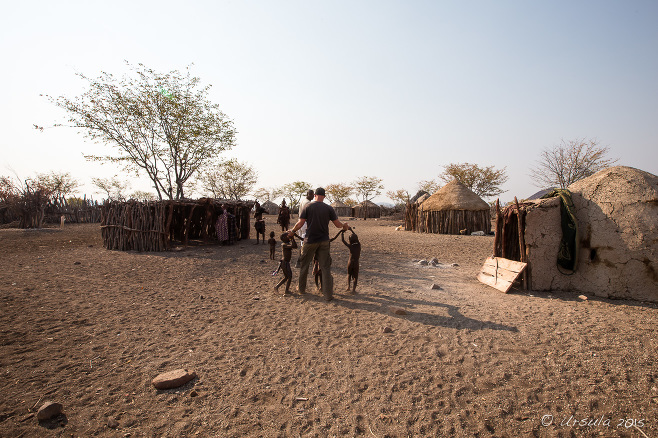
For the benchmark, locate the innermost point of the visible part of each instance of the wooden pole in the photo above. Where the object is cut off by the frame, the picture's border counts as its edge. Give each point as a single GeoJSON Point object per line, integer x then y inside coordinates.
{"type": "Point", "coordinates": [519, 218]}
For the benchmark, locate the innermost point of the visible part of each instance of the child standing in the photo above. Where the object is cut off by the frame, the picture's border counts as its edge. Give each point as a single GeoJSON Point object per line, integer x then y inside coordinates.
{"type": "Point", "coordinates": [272, 242]}
{"type": "Point", "coordinates": [353, 263]}
{"type": "Point", "coordinates": [287, 246]}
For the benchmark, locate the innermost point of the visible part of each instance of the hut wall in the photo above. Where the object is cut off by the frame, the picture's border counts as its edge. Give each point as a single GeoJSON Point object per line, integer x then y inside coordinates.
{"type": "Point", "coordinates": [372, 212]}
{"type": "Point", "coordinates": [453, 221]}
{"type": "Point", "coordinates": [608, 265]}
{"type": "Point", "coordinates": [343, 211]}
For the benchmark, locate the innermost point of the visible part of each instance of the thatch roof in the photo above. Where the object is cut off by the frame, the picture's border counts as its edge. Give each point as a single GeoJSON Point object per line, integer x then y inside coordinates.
{"type": "Point", "coordinates": [370, 204]}
{"type": "Point", "coordinates": [270, 207]}
{"type": "Point", "coordinates": [338, 204]}
{"type": "Point", "coordinates": [454, 196]}
{"type": "Point", "coordinates": [418, 195]}
{"type": "Point", "coordinates": [422, 198]}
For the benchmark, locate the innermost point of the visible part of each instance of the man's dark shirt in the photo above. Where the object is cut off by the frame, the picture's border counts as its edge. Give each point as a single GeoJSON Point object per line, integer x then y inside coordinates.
{"type": "Point", "coordinates": [317, 215]}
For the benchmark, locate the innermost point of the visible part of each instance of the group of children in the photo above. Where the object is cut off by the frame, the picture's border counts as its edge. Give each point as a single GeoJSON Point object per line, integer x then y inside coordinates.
{"type": "Point", "coordinates": [288, 244]}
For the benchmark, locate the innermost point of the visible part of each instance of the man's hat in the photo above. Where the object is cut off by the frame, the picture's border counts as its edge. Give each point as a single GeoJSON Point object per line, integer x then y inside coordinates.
{"type": "Point", "coordinates": [319, 191]}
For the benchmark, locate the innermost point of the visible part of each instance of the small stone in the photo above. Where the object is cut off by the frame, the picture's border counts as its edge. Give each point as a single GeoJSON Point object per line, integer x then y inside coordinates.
{"type": "Point", "coordinates": [256, 298]}
{"type": "Point", "coordinates": [435, 286]}
{"type": "Point", "coordinates": [112, 423]}
{"type": "Point", "coordinates": [387, 329]}
{"type": "Point", "coordinates": [583, 297]}
{"type": "Point", "coordinates": [454, 265]}
{"type": "Point", "coordinates": [434, 261]}
{"type": "Point", "coordinates": [423, 263]}
{"type": "Point", "coordinates": [49, 410]}
{"type": "Point", "coordinates": [173, 379]}
{"type": "Point", "coordinates": [77, 263]}
{"type": "Point", "coordinates": [193, 393]}
{"type": "Point", "coordinates": [262, 261]}
{"type": "Point", "coordinates": [398, 310]}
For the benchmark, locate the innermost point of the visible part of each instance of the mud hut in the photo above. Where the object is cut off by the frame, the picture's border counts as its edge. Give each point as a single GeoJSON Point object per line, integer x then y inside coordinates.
{"type": "Point", "coordinates": [154, 226]}
{"type": "Point", "coordinates": [342, 209]}
{"type": "Point", "coordinates": [367, 210]}
{"type": "Point", "coordinates": [270, 207]}
{"type": "Point", "coordinates": [453, 208]}
{"type": "Point", "coordinates": [616, 245]}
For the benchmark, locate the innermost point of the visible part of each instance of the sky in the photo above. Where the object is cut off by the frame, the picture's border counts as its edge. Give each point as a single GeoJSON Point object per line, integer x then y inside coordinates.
{"type": "Point", "coordinates": [328, 92]}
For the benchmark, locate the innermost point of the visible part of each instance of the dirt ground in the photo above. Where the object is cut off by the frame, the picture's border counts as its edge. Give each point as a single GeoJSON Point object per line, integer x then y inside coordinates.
{"type": "Point", "coordinates": [90, 328]}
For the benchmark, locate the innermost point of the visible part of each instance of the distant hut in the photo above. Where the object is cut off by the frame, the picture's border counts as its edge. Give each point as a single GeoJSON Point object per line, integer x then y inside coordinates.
{"type": "Point", "coordinates": [342, 209]}
{"type": "Point", "coordinates": [453, 208]}
{"type": "Point", "coordinates": [270, 207]}
{"type": "Point", "coordinates": [372, 210]}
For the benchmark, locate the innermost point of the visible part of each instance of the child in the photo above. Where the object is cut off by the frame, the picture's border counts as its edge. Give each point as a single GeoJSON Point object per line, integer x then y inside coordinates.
{"type": "Point", "coordinates": [288, 245]}
{"type": "Point", "coordinates": [353, 263]}
{"type": "Point", "coordinates": [272, 243]}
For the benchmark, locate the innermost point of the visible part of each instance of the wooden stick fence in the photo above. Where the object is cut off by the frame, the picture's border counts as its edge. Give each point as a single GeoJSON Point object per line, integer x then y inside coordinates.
{"type": "Point", "coordinates": [446, 221]}
{"type": "Point", "coordinates": [152, 226]}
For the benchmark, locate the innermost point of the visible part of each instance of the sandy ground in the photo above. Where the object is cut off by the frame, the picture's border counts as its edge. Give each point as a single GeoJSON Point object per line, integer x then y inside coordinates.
{"type": "Point", "coordinates": [90, 328]}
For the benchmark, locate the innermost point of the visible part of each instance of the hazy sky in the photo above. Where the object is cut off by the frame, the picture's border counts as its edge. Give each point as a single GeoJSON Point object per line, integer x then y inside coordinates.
{"type": "Point", "coordinates": [330, 91]}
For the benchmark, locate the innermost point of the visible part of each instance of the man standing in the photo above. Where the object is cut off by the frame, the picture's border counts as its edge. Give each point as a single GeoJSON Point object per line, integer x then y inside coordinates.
{"type": "Point", "coordinates": [317, 215]}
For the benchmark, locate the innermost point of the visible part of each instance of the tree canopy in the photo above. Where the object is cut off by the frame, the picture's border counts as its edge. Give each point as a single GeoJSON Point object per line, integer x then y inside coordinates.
{"type": "Point", "coordinates": [57, 184]}
{"type": "Point", "coordinates": [483, 181]}
{"type": "Point", "coordinates": [294, 192]}
{"type": "Point", "coordinates": [113, 188]}
{"type": "Point", "coordinates": [429, 186]}
{"type": "Point", "coordinates": [569, 161]}
{"type": "Point", "coordinates": [399, 197]}
{"type": "Point", "coordinates": [160, 124]}
{"type": "Point", "coordinates": [230, 179]}
{"type": "Point", "coordinates": [367, 187]}
{"type": "Point", "coordinates": [338, 192]}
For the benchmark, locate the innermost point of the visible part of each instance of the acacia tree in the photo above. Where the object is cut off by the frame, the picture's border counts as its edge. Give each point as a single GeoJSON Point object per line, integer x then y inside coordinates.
{"type": "Point", "coordinates": [266, 193]}
{"type": "Point", "coordinates": [566, 163]}
{"type": "Point", "coordinates": [399, 197]}
{"type": "Point", "coordinates": [429, 186]}
{"type": "Point", "coordinates": [230, 179]}
{"type": "Point", "coordinates": [114, 188]}
{"type": "Point", "coordinates": [141, 195]}
{"type": "Point", "coordinates": [294, 192]}
{"type": "Point", "coordinates": [483, 181]}
{"type": "Point", "coordinates": [366, 188]}
{"type": "Point", "coordinates": [161, 124]}
{"type": "Point", "coordinates": [338, 192]}
{"type": "Point", "coordinates": [58, 185]}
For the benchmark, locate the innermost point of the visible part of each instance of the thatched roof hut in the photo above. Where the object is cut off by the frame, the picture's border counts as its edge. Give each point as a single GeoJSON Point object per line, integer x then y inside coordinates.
{"type": "Point", "coordinates": [367, 209]}
{"type": "Point", "coordinates": [342, 209]}
{"type": "Point", "coordinates": [270, 207]}
{"type": "Point", "coordinates": [152, 226]}
{"type": "Point", "coordinates": [616, 243]}
{"type": "Point", "coordinates": [453, 208]}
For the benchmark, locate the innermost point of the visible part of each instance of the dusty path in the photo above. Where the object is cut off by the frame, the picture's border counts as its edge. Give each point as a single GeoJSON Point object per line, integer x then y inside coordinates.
{"type": "Point", "coordinates": [90, 328]}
